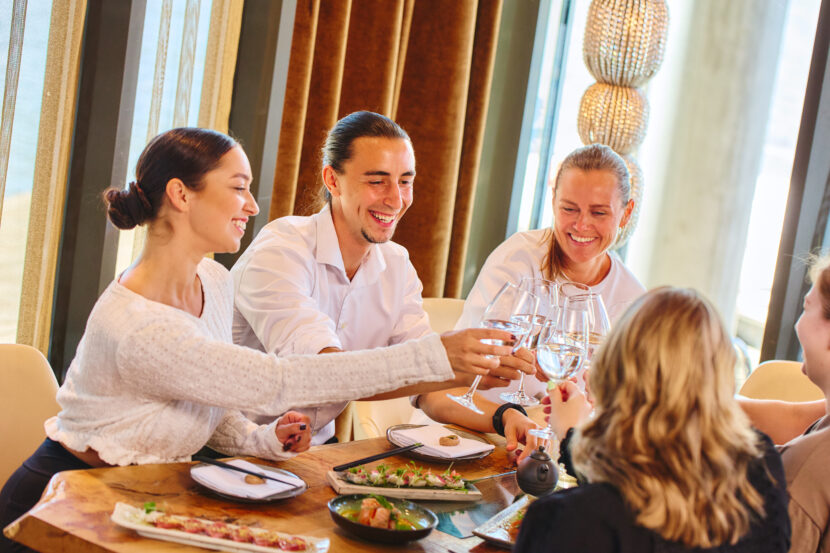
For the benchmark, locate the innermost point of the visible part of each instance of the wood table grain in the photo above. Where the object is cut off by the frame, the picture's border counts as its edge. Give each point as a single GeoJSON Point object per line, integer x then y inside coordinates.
{"type": "Point", "coordinates": [73, 514]}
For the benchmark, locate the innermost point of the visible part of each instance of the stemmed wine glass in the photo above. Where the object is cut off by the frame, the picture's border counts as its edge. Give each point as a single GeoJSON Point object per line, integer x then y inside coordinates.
{"type": "Point", "coordinates": [598, 324]}
{"type": "Point", "coordinates": [562, 348]}
{"type": "Point", "coordinates": [503, 314]}
{"type": "Point", "coordinates": [548, 295]}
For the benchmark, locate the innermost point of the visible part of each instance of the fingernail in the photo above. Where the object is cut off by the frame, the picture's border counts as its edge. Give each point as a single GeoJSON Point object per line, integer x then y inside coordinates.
{"type": "Point", "coordinates": [302, 426]}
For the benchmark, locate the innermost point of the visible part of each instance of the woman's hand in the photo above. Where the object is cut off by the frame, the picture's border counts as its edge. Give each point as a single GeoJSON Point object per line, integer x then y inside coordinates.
{"type": "Point", "coordinates": [510, 368]}
{"type": "Point", "coordinates": [516, 428]}
{"type": "Point", "coordinates": [294, 431]}
{"type": "Point", "coordinates": [568, 407]}
{"type": "Point", "coordinates": [468, 354]}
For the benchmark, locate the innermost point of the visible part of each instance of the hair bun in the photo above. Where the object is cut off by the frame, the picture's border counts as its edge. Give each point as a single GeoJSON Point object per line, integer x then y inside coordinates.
{"type": "Point", "coordinates": [129, 207]}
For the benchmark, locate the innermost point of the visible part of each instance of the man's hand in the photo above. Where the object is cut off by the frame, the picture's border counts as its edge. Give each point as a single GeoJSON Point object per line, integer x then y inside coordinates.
{"type": "Point", "coordinates": [294, 431]}
{"type": "Point", "coordinates": [510, 367]}
{"type": "Point", "coordinates": [468, 354]}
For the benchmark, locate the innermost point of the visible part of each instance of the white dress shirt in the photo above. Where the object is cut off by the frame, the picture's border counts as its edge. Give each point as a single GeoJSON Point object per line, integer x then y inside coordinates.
{"type": "Point", "coordinates": [293, 297]}
{"type": "Point", "coordinates": [521, 256]}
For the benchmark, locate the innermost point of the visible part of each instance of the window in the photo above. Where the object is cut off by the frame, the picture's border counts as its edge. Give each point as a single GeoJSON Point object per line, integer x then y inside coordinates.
{"type": "Point", "coordinates": [776, 166]}
{"type": "Point", "coordinates": [169, 86]}
{"type": "Point", "coordinates": [14, 220]}
{"type": "Point", "coordinates": [655, 154]}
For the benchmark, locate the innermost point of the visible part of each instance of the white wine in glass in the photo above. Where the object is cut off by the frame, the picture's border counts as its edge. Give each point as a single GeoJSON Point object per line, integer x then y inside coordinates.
{"type": "Point", "coordinates": [548, 295]}
{"type": "Point", "coordinates": [500, 315]}
{"type": "Point", "coordinates": [563, 348]}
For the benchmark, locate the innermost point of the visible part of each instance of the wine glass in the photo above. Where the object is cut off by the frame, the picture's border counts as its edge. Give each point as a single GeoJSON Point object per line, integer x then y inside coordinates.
{"type": "Point", "coordinates": [562, 348]}
{"type": "Point", "coordinates": [598, 323]}
{"type": "Point", "coordinates": [548, 295]}
{"type": "Point", "coordinates": [503, 314]}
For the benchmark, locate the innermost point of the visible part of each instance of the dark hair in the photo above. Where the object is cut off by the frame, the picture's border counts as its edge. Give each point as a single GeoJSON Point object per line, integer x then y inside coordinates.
{"type": "Point", "coordinates": [338, 146]}
{"type": "Point", "coordinates": [185, 153]}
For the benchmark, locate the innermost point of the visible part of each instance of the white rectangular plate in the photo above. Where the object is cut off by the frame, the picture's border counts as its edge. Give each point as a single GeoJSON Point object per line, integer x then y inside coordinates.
{"type": "Point", "coordinates": [342, 486]}
{"type": "Point", "coordinates": [494, 530]}
{"type": "Point", "coordinates": [128, 516]}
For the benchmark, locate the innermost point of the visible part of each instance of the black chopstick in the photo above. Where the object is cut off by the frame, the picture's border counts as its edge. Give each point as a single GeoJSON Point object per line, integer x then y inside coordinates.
{"type": "Point", "coordinates": [210, 461]}
{"type": "Point", "coordinates": [377, 457]}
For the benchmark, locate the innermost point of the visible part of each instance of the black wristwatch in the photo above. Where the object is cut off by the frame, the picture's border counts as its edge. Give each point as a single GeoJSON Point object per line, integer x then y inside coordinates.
{"type": "Point", "coordinates": [498, 423]}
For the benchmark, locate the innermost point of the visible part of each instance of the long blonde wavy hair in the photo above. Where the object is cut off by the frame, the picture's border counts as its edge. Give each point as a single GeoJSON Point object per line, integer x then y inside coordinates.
{"type": "Point", "coordinates": [668, 433]}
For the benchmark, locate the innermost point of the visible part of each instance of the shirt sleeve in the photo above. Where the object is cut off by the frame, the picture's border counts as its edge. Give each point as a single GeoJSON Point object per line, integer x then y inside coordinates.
{"type": "Point", "coordinates": [413, 321]}
{"type": "Point", "coordinates": [806, 535]}
{"type": "Point", "coordinates": [273, 293]}
{"type": "Point", "coordinates": [168, 358]}
{"type": "Point", "coordinates": [237, 435]}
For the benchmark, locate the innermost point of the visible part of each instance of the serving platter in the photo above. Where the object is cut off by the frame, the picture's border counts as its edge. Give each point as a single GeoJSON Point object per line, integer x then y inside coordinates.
{"type": "Point", "coordinates": [495, 529]}
{"type": "Point", "coordinates": [134, 518]}
{"type": "Point", "coordinates": [434, 458]}
{"type": "Point", "coordinates": [340, 485]}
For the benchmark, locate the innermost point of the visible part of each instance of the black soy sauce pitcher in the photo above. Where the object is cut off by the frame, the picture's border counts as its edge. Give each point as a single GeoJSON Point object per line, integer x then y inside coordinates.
{"type": "Point", "coordinates": [537, 474]}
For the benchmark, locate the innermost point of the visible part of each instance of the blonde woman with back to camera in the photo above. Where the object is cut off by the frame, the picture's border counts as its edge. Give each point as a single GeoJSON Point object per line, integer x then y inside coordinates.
{"type": "Point", "coordinates": [670, 461]}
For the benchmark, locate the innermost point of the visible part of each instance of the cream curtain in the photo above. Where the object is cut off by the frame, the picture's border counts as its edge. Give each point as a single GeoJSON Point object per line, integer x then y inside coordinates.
{"type": "Point", "coordinates": [51, 166]}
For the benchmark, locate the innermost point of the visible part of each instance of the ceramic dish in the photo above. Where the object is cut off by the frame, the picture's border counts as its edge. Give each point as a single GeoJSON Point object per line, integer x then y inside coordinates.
{"type": "Point", "coordinates": [293, 492]}
{"type": "Point", "coordinates": [134, 518]}
{"type": "Point", "coordinates": [495, 530]}
{"type": "Point", "coordinates": [433, 458]}
{"type": "Point", "coordinates": [424, 519]}
{"type": "Point", "coordinates": [340, 485]}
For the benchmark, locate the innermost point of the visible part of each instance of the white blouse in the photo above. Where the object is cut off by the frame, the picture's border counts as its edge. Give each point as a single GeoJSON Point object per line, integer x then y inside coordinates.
{"type": "Point", "coordinates": [151, 383]}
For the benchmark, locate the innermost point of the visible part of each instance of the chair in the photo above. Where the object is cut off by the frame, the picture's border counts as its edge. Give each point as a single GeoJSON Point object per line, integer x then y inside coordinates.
{"type": "Point", "coordinates": [370, 419]}
{"type": "Point", "coordinates": [27, 399]}
{"type": "Point", "coordinates": [782, 380]}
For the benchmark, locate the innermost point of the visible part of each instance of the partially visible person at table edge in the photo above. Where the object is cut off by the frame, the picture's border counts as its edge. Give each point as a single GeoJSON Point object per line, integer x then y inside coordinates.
{"type": "Point", "coordinates": [335, 281]}
{"type": "Point", "coordinates": [591, 203]}
{"type": "Point", "coordinates": [805, 455]}
{"type": "Point", "coordinates": [669, 461]}
{"type": "Point", "coordinates": [156, 377]}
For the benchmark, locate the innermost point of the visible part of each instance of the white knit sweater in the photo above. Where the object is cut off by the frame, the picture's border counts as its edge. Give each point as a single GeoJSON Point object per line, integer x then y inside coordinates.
{"type": "Point", "coordinates": [152, 384]}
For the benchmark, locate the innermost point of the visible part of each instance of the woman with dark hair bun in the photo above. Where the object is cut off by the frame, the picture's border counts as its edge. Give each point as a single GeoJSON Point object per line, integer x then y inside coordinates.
{"type": "Point", "coordinates": [156, 377]}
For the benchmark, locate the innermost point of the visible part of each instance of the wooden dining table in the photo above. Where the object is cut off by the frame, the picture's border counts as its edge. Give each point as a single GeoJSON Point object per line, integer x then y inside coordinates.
{"type": "Point", "coordinates": [74, 512]}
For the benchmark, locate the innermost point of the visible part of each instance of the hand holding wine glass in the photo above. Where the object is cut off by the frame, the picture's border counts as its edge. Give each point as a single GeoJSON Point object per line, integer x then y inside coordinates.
{"type": "Point", "coordinates": [548, 296]}
{"type": "Point", "coordinates": [501, 314]}
{"type": "Point", "coordinates": [562, 348]}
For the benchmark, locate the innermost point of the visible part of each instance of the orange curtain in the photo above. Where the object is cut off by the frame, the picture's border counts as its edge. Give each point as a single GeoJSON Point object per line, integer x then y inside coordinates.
{"type": "Point", "coordinates": [426, 64]}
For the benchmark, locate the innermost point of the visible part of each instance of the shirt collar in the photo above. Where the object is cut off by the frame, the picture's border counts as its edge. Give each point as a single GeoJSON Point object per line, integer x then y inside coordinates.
{"type": "Point", "coordinates": [328, 251]}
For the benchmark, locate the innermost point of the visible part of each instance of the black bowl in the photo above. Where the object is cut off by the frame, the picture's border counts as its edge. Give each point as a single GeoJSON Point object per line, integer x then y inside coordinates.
{"type": "Point", "coordinates": [421, 517]}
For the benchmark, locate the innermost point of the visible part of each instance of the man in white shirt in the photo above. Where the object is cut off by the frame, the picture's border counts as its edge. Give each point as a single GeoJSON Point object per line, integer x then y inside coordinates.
{"type": "Point", "coordinates": [334, 281]}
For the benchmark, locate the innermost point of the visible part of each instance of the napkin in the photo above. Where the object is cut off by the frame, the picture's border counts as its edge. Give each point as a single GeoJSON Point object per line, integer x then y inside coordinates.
{"type": "Point", "coordinates": [231, 482]}
{"type": "Point", "coordinates": [429, 436]}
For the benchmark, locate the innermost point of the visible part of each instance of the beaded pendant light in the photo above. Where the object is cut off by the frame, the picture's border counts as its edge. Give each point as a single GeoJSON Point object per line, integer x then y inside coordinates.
{"type": "Point", "coordinates": [623, 48]}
